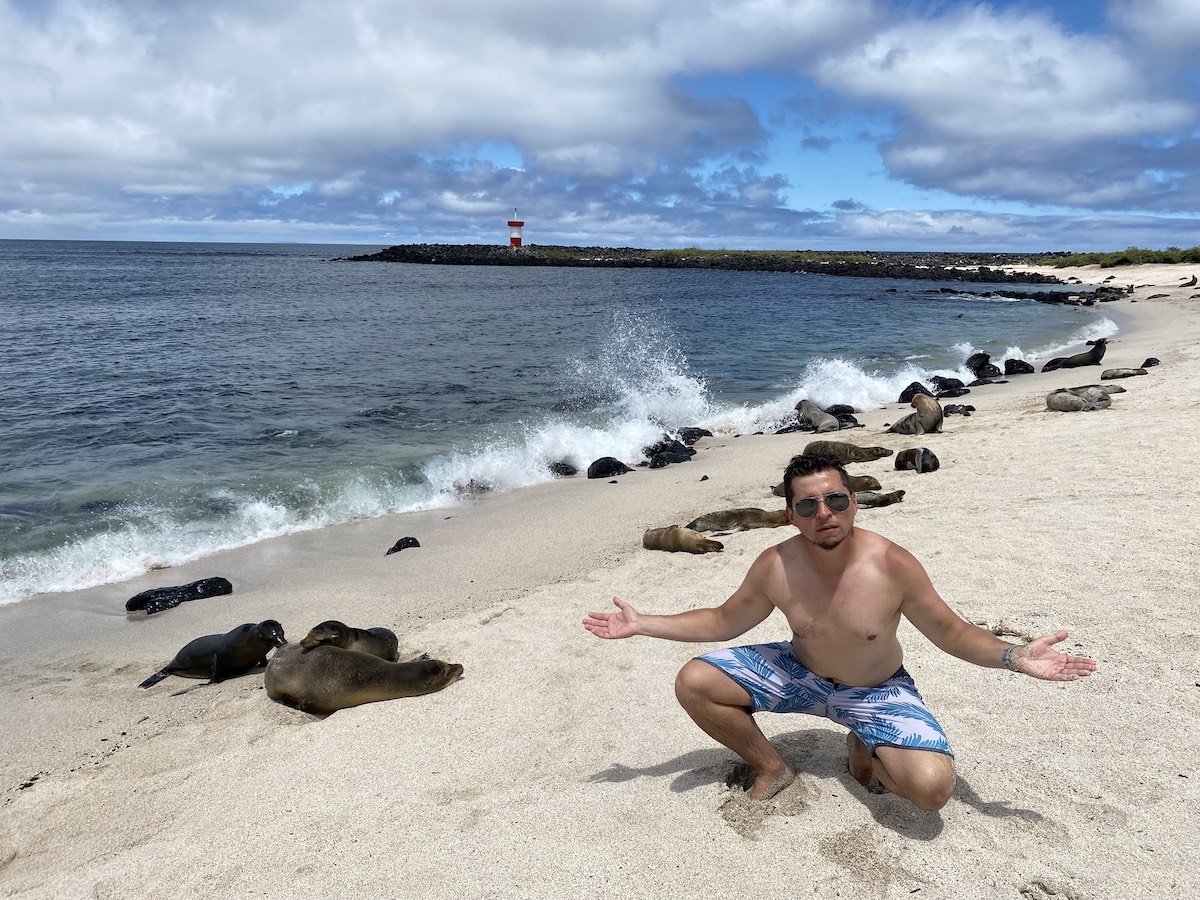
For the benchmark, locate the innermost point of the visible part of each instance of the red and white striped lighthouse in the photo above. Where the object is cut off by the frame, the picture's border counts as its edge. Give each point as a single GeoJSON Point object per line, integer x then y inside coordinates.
{"type": "Point", "coordinates": [514, 230]}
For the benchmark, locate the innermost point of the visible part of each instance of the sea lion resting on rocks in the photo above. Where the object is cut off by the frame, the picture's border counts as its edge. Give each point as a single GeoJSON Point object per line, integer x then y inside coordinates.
{"type": "Point", "coordinates": [817, 418]}
{"type": "Point", "coordinates": [381, 642]}
{"type": "Point", "coordinates": [872, 499]}
{"type": "Point", "coordinates": [857, 483]}
{"type": "Point", "coordinates": [926, 420]}
{"type": "Point", "coordinates": [676, 538]}
{"type": "Point", "coordinates": [327, 678]}
{"type": "Point", "coordinates": [739, 519]}
{"type": "Point", "coordinates": [221, 656]}
{"type": "Point", "coordinates": [1086, 358]}
{"type": "Point", "coordinates": [846, 453]}
{"type": "Point", "coordinates": [1083, 400]}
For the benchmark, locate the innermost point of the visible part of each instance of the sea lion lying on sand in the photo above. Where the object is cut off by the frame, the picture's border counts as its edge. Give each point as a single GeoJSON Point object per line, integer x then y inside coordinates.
{"type": "Point", "coordinates": [1085, 400]}
{"type": "Point", "coordinates": [221, 656]}
{"type": "Point", "coordinates": [676, 538]}
{"type": "Point", "coordinates": [919, 459]}
{"type": "Point", "coordinates": [846, 453]}
{"type": "Point", "coordinates": [871, 499]}
{"type": "Point", "coordinates": [738, 519]}
{"type": "Point", "coordinates": [327, 678]}
{"type": "Point", "coordinates": [1110, 374]}
{"type": "Point", "coordinates": [380, 642]}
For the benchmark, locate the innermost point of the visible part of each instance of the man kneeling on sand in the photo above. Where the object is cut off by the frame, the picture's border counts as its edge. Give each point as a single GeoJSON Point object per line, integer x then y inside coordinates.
{"type": "Point", "coordinates": [843, 591]}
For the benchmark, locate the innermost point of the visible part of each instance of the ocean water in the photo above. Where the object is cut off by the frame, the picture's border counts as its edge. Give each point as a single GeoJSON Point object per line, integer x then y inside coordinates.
{"type": "Point", "coordinates": [164, 401]}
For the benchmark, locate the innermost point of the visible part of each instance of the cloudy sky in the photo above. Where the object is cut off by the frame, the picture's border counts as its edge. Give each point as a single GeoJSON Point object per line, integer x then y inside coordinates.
{"type": "Point", "coordinates": [825, 124]}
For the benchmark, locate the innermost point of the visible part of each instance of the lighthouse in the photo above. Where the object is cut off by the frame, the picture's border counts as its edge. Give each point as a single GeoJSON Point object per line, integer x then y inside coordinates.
{"type": "Point", "coordinates": [514, 230]}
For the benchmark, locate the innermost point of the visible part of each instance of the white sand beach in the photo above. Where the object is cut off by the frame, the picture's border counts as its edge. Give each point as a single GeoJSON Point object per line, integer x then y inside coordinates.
{"type": "Point", "coordinates": [561, 765]}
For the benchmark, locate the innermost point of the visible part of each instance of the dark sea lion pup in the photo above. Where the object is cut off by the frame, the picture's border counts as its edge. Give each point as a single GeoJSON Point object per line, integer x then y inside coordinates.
{"type": "Point", "coordinates": [379, 642]}
{"type": "Point", "coordinates": [327, 678]}
{"type": "Point", "coordinates": [221, 656]}
{"type": "Point", "coordinates": [403, 544]}
{"type": "Point", "coordinates": [919, 459]}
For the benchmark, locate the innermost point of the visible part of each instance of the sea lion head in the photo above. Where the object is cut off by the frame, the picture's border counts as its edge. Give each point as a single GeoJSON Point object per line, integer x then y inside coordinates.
{"type": "Point", "coordinates": [436, 674]}
{"type": "Point", "coordinates": [271, 632]}
{"type": "Point", "coordinates": [328, 632]}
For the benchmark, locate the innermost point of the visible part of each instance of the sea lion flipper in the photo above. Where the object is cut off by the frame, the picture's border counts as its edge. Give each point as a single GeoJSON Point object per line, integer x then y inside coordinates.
{"type": "Point", "coordinates": [155, 678]}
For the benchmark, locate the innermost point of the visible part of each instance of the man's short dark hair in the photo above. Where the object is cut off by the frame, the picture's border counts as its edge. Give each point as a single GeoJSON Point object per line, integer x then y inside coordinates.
{"type": "Point", "coordinates": [810, 464]}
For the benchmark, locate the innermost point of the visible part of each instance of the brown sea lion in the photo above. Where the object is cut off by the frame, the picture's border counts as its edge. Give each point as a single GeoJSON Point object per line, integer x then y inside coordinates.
{"type": "Point", "coordinates": [919, 459]}
{"type": "Point", "coordinates": [926, 420]}
{"type": "Point", "coordinates": [1086, 358]}
{"type": "Point", "coordinates": [1110, 374]}
{"type": "Point", "coordinates": [820, 420]}
{"type": "Point", "coordinates": [327, 678]}
{"type": "Point", "coordinates": [1107, 388]}
{"type": "Point", "coordinates": [676, 538]}
{"type": "Point", "coordinates": [739, 519]}
{"type": "Point", "coordinates": [871, 499]}
{"type": "Point", "coordinates": [221, 656]}
{"type": "Point", "coordinates": [846, 453]}
{"type": "Point", "coordinates": [1085, 400]}
{"type": "Point", "coordinates": [380, 642]}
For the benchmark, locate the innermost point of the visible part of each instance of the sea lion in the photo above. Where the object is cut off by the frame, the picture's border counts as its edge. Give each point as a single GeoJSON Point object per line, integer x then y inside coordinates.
{"type": "Point", "coordinates": [380, 642]}
{"type": "Point", "coordinates": [675, 538]}
{"type": "Point", "coordinates": [819, 420]}
{"type": "Point", "coordinates": [156, 600]}
{"type": "Point", "coordinates": [857, 483]}
{"type": "Point", "coordinates": [327, 678]}
{"type": "Point", "coordinates": [403, 544]}
{"type": "Point", "coordinates": [919, 459]}
{"type": "Point", "coordinates": [1189, 283]}
{"type": "Point", "coordinates": [1107, 388]}
{"type": "Point", "coordinates": [844, 452]}
{"type": "Point", "coordinates": [1087, 400]}
{"type": "Point", "coordinates": [872, 499]}
{"type": "Point", "coordinates": [1150, 362]}
{"type": "Point", "coordinates": [739, 519]}
{"type": "Point", "coordinates": [220, 656]}
{"type": "Point", "coordinates": [1110, 374]}
{"type": "Point", "coordinates": [1086, 358]}
{"type": "Point", "coordinates": [957, 409]}
{"type": "Point", "coordinates": [926, 420]}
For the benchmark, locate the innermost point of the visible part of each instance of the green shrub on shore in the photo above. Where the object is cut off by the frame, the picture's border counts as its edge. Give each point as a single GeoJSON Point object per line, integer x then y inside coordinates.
{"type": "Point", "coordinates": [1131, 256]}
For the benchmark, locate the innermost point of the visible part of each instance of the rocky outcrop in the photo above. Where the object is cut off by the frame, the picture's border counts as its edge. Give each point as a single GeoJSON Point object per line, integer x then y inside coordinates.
{"type": "Point", "coordinates": [937, 266]}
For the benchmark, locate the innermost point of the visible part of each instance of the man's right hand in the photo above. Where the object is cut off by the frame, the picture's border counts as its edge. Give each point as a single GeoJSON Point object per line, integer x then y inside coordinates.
{"type": "Point", "coordinates": [611, 626]}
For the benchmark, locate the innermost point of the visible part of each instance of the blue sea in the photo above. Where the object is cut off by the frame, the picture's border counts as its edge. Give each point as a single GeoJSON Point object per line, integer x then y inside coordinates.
{"type": "Point", "coordinates": [165, 401]}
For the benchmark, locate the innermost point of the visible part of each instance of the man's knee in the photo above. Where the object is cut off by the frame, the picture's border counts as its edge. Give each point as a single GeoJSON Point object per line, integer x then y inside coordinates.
{"type": "Point", "coordinates": [690, 682]}
{"type": "Point", "coordinates": [932, 786]}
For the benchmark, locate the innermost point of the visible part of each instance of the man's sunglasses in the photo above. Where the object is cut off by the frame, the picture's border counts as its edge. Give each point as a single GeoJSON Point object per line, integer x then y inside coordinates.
{"type": "Point", "coordinates": [806, 508]}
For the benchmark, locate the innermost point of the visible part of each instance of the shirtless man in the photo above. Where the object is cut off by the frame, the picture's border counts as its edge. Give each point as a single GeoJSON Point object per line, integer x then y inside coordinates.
{"type": "Point", "coordinates": [842, 590]}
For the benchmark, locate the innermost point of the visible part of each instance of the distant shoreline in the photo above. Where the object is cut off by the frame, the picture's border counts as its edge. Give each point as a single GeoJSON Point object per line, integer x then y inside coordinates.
{"type": "Point", "coordinates": [979, 267]}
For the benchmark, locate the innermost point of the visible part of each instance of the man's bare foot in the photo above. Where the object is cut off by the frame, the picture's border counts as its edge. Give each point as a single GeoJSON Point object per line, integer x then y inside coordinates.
{"type": "Point", "coordinates": [862, 766]}
{"type": "Point", "coordinates": [767, 786]}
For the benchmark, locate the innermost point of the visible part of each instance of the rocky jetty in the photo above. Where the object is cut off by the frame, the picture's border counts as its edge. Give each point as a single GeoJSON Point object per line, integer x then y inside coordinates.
{"type": "Point", "coordinates": [979, 267]}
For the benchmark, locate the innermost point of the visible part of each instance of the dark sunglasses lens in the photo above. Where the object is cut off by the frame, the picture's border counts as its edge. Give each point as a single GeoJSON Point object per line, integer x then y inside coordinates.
{"type": "Point", "coordinates": [838, 502]}
{"type": "Point", "coordinates": [806, 508]}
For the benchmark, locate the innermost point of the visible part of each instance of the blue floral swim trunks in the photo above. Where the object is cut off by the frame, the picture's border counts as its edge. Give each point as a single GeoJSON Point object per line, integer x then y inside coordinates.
{"type": "Point", "coordinates": [891, 714]}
